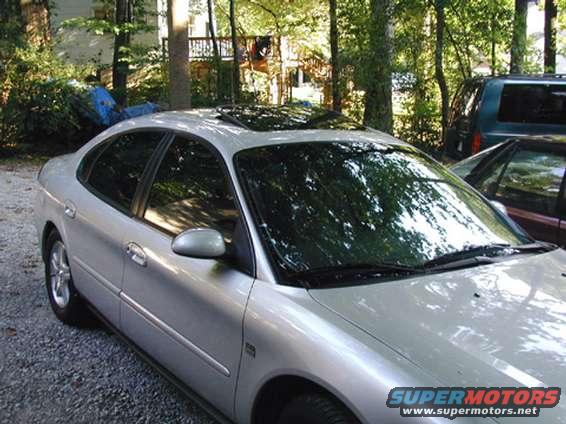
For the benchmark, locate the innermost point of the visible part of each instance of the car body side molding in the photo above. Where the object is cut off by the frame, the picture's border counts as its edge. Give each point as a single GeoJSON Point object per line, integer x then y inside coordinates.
{"type": "Point", "coordinates": [152, 319]}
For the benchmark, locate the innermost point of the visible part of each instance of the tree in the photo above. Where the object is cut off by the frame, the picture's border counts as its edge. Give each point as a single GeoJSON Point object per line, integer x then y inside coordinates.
{"type": "Point", "coordinates": [550, 13]}
{"type": "Point", "coordinates": [378, 111]}
{"type": "Point", "coordinates": [178, 42]}
{"type": "Point", "coordinates": [36, 22]}
{"type": "Point", "coordinates": [216, 53]}
{"type": "Point", "coordinates": [127, 20]}
{"type": "Point", "coordinates": [235, 55]}
{"type": "Point", "coordinates": [120, 65]}
{"type": "Point", "coordinates": [334, 58]}
{"type": "Point", "coordinates": [519, 40]}
{"type": "Point", "coordinates": [438, 59]}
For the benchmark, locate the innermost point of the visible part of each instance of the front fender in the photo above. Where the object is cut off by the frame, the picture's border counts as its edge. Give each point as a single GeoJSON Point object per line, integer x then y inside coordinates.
{"type": "Point", "coordinates": [295, 336]}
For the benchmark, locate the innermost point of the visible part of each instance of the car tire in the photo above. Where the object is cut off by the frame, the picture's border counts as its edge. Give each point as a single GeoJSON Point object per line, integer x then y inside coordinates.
{"type": "Point", "coordinates": [315, 408]}
{"type": "Point", "coordinates": [64, 298]}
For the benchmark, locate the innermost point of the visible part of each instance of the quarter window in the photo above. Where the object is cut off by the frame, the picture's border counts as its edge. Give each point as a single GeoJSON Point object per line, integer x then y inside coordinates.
{"type": "Point", "coordinates": [190, 191]}
{"type": "Point", "coordinates": [114, 169]}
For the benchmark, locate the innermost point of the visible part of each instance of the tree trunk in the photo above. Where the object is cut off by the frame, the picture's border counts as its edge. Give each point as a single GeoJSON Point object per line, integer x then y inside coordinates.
{"type": "Point", "coordinates": [438, 59]}
{"type": "Point", "coordinates": [120, 66]}
{"type": "Point", "coordinates": [334, 58]}
{"type": "Point", "coordinates": [519, 40]}
{"type": "Point", "coordinates": [36, 22]}
{"type": "Point", "coordinates": [178, 41]}
{"type": "Point", "coordinates": [215, 51]}
{"type": "Point", "coordinates": [550, 13]}
{"type": "Point", "coordinates": [378, 111]}
{"type": "Point", "coordinates": [493, 43]}
{"type": "Point", "coordinates": [235, 58]}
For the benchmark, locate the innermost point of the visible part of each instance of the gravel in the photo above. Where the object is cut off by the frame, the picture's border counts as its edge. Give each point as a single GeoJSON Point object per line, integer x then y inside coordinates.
{"type": "Point", "coordinates": [52, 373]}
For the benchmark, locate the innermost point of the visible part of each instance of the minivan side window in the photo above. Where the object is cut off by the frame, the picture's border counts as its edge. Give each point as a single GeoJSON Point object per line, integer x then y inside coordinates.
{"type": "Point", "coordinates": [190, 190]}
{"type": "Point", "coordinates": [532, 181]}
{"type": "Point", "coordinates": [113, 169]}
{"type": "Point", "coordinates": [466, 102]}
{"type": "Point", "coordinates": [533, 104]}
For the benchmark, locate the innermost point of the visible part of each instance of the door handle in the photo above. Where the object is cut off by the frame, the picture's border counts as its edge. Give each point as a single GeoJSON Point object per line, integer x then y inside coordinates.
{"type": "Point", "coordinates": [70, 209]}
{"type": "Point", "coordinates": [136, 254]}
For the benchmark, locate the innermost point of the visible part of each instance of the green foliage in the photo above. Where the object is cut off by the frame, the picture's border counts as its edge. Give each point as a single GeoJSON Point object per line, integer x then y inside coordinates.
{"type": "Point", "coordinates": [39, 105]}
{"type": "Point", "coordinates": [305, 21]}
{"type": "Point", "coordinates": [107, 25]}
{"type": "Point", "coordinates": [104, 26]}
{"type": "Point", "coordinates": [561, 27]}
{"type": "Point", "coordinates": [150, 83]}
{"type": "Point", "coordinates": [10, 27]}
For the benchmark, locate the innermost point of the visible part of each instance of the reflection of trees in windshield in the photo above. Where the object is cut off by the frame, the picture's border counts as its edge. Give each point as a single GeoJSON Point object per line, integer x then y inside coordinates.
{"type": "Point", "coordinates": [324, 204]}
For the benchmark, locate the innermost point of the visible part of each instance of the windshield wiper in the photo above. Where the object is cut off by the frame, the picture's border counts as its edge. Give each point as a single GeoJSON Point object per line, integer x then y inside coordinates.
{"type": "Point", "coordinates": [460, 264]}
{"type": "Point", "coordinates": [476, 252]}
{"type": "Point", "coordinates": [336, 273]}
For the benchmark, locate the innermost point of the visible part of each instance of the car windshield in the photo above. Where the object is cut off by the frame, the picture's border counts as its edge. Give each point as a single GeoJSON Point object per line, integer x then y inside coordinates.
{"type": "Point", "coordinates": [334, 204]}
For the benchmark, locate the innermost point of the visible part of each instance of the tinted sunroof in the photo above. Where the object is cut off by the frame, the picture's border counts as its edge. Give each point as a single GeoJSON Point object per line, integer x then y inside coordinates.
{"type": "Point", "coordinates": [273, 118]}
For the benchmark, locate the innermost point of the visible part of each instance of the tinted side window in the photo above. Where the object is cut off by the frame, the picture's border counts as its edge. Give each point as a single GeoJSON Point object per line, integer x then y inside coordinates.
{"type": "Point", "coordinates": [119, 165]}
{"type": "Point", "coordinates": [533, 103]}
{"type": "Point", "coordinates": [532, 181]}
{"type": "Point", "coordinates": [190, 191]}
{"type": "Point", "coordinates": [86, 165]}
{"type": "Point", "coordinates": [465, 102]}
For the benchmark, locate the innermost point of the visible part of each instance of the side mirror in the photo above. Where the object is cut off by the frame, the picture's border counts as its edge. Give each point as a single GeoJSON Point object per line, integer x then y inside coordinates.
{"type": "Point", "coordinates": [204, 243]}
{"type": "Point", "coordinates": [499, 206]}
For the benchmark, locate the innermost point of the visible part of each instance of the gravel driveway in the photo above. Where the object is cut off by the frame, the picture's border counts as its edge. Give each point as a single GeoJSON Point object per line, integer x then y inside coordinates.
{"type": "Point", "coordinates": [51, 373]}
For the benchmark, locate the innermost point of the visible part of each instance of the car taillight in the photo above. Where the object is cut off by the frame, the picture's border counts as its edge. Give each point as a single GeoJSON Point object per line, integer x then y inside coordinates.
{"type": "Point", "coordinates": [476, 143]}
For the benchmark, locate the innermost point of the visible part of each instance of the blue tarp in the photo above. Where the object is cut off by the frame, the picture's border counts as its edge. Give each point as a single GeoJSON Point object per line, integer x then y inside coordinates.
{"type": "Point", "coordinates": [105, 107]}
{"type": "Point", "coordinates": [138, 110]}
{"type": "Point", "coordinates": [104, 104]}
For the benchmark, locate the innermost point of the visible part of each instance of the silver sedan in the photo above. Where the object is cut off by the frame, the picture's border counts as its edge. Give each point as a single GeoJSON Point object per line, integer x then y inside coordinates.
{"type": "Point", "coordinates": [287, 267]}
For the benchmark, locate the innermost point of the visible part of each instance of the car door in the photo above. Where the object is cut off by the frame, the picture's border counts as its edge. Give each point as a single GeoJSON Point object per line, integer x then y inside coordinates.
{"type": "Point", "coordinates": [530, 185]}
{"type": "Point", "coordinates": [186, 312]}
{"type": "Point", "coordinates": [96, 212]}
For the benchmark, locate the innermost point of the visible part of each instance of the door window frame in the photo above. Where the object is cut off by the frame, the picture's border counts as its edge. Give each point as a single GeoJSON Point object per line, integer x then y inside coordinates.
{"type": "Point", "coordinates": [477, 171]}
{"type": "Point", "coordinates": [142, 195]}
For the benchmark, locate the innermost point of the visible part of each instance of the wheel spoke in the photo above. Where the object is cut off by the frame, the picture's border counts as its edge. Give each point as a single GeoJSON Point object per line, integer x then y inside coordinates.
{"type": "Point", "coordinates": [62, 255]}
{"type": "Point", "coordinates": [60, 275]}
{"type": "Point", "coordinates": [54, 263]}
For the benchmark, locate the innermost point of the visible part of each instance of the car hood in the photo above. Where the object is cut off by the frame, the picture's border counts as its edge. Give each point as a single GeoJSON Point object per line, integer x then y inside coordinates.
{"type": "Point", "coordinates": [502, 324]}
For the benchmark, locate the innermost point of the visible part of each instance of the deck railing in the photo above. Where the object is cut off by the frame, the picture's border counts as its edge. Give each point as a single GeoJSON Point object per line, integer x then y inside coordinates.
{"type": "Point", "coordinates": [202, 47]}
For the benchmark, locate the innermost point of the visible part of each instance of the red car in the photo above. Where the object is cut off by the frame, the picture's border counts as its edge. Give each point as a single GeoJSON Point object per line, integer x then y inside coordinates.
{"type": "Point", "coordinates": [525, 174]}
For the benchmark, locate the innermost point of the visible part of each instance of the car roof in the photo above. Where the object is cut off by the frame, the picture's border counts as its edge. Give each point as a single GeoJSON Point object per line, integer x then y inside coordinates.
{"type": "Point", "coordinates": [230, 137]}
{"type": "Point", "coordinates": [531, 78]}
{"type": "Point", "coordinates": [287, 117]}
{"type": "Point", "coordinates": [549, 138]}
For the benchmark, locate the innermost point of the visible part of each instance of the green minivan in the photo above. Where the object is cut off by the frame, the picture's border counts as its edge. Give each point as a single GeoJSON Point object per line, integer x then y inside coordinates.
{"type": "Point", "coordinates": [488, 110]}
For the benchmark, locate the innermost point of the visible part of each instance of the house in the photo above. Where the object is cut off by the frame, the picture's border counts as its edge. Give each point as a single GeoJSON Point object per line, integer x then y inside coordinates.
{"type": "Point", "coordinates": [287, 66]}
{"type": "Point", "coordinates": [80, 46]}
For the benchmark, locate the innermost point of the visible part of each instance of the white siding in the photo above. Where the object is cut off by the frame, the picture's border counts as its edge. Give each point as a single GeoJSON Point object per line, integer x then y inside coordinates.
{"type": "Point", "coordinates": [81, 46]}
